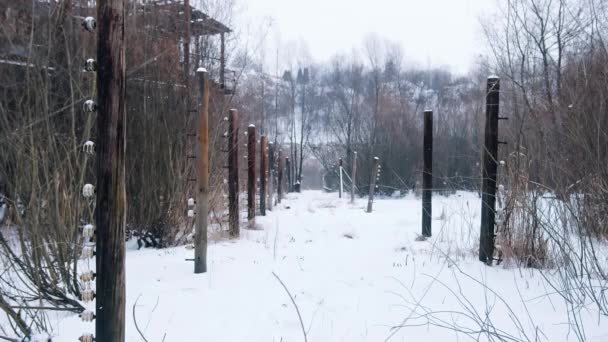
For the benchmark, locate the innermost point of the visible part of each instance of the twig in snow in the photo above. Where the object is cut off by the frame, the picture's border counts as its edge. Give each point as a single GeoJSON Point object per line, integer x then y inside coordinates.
{"type": "Point", "coordinates": [135, 320]}
{"type": "Point", "coordinates": [294, 304]}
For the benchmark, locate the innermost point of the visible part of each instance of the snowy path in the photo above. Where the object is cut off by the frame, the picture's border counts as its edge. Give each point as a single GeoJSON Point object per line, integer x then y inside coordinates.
{"type": "Point", "coordinates": [354, 275]}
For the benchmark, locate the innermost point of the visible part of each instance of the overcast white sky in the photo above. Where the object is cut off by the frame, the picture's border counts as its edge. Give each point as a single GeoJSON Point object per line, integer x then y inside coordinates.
{"type": "Point", "coordinates": [435, 32]}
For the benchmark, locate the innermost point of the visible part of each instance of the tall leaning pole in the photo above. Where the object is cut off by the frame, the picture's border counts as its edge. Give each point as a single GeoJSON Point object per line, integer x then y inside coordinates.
{"type": "Point", "coordinates": [110, 211]}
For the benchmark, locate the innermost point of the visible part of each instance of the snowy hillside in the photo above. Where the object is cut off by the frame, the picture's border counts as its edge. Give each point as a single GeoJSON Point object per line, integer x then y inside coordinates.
{"type": "Point", "coordinates": [354, 277]}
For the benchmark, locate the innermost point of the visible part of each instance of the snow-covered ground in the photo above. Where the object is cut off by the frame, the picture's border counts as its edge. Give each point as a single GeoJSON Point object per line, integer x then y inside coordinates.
{"type": "Point", "coordinates": [355, 277]}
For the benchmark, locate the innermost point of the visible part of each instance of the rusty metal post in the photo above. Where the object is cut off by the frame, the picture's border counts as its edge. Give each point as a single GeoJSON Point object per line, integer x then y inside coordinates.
{"type": "Point", "coordinates": [202, 176]}
{"type": "Point", "coordinates": [263, 173]}
{"type": "Point", "coordinates": [372, 183]}
{"type": "Point", "coordinates": [427, 174]}
{"type": "Point", "coordinates": [251, 180]}
{"type": "Point", "coordinates": [490, 165]}
{"type": "Point", "coordinates": [111, 201]}
{"type": "Point", "coordinates": [280, 176]}
{"type": "Point", "coordinates": [233, 173]}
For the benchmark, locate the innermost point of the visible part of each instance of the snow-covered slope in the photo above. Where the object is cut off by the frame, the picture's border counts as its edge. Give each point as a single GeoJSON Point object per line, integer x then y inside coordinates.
{"type": "Point", "coordinates": [354, 276]}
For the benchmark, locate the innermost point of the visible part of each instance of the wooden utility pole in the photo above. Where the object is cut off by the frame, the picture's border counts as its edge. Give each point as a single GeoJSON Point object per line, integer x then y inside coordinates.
{"type": "Point", "coordinates": [111, 203]}
{"type": "Point", "coordinates": [271, 176]}
{"type": "Point", "coordinates": [251, 175]}
{"type": "Point", "coordinates": [490, 165]}
{"type": "Point", "coordinates": [263, 173]}
{"type": "Point", "coordinates": [354, 178]}
{"type": "Point", "coordinates": [280, 176]}
{"type": "Point", "coordinates": [341, 180]}
{"type": "Point", "coordinates": [288, 167]}
{"type": "Point", "coordinates": [372, 183]}
{"type": "Point", "coordinates": [222, 61]}
{"type": "Point", "coordinates": [427, 174]}
{"type": "Point", "coordinates": [202, 175]}
{"type": "Point", "coordinates": [233, 173]}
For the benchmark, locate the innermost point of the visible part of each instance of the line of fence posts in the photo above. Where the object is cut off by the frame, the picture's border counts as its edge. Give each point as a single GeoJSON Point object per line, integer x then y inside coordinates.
{"type": "Point", "coordinates": [251, 178]}
{"type": "Point", "coordinates": [263, 173]}
{"type": "Point", "coordinates": [489, 171]}
{"type": "Point", "coordinates": [374, 176]}
{"type": "Point", "coordinates": [202, 175]}
{"type": "Point", "coordinates": [427, 174]}
{"type": "Point", "coordinates": [353, 184]}
{"type": "Point", "coordinates": [233, 173]}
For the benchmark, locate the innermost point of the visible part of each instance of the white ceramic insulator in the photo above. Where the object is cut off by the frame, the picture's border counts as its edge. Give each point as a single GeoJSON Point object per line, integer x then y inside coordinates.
{"type": "Point", "coordinates": [89, 147]}
{"type": "Point", "coordinates": [89, 23]}
{"type": "Point", "coordinates": [87, 276]}
{"type": "Point", "coordinates": [88, 190]}
{"type": "Point", "coordinates": [190, 213]}
{"type": "Point", "coordinates": [88, 296]}
{"type": "Point", "coordinates": [88, 231]}
{"type": "Point", "coordinates": [86, 338]}
{"type": "Point", "coordinates": [87, 316]}
{"type": "Point", "coordinates": [87, 252]}
{"type": "Point", "coordinates": [90, 106]}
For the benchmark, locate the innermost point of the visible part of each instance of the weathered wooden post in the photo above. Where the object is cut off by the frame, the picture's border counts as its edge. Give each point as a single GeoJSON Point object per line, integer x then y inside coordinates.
{"type": "Point", "coordinates": [280, 176]}
{"type": "Point", "coordinates": [354, 179]}
{"type": "Point", "coordinates": [233, 173]}
{"type": "Point", "coordinates": [202, 175]}
{"type": "Point", "coordinates": [288, 167]}
{"type": "Point", "coordinates": [341, 181]}
{"type": "Point", "coordinates": [263, 173]}
{"type": "Point", "coordinates": [490, 164]}
{"type": "Point", "coordinates": [111, 204]}
{"type": "Point", "coordinates": [427, 174]}
{"type": "Point", "coordinates": [271, 176]}
{"type": "Point", "coordinates": [251, 181]}
{"type": "Point", "coordinates": [372, 183]}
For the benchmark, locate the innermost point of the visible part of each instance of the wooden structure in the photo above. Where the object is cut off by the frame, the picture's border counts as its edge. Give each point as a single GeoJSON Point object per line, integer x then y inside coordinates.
{"type": "Point", "coordinates": [233, 173]}
{"type": "Point", "coordinates": [110, 210]}
{"type": "Point", "coordinates": [202, 176]}
{"type": "Point", "coordinates": [353, 184]}
{"type": "Point", "coordinates": [280, 176]}
{"type": "Point", "coordinates": [251, 179]}
{"type": "Point", "coordinates": [489, 171]}
{"type": "Point", "coordinates": [263, 173]}
{"type": "Point", "coordinates": [372, 183]}
{"type": "Point", "coordinates": [427, 174]}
